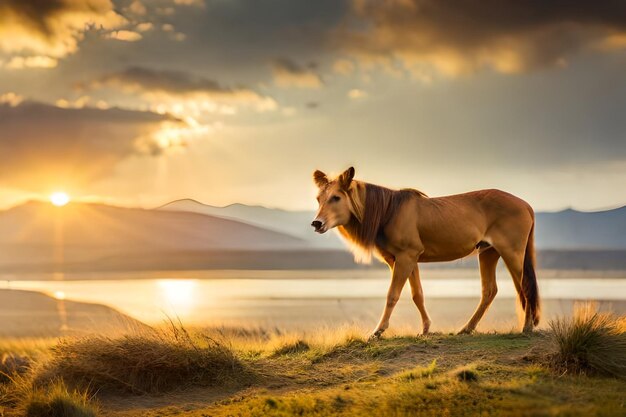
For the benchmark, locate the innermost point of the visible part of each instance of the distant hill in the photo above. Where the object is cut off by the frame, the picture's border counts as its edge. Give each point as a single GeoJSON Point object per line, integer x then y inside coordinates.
{"type": "Point", "coordinates": [563, 230]}
{"type": "Point", "coordinates": [186, 234]}
{"type": "Point", "coordinates": [295, 223]}
{"type": "Point", "coordinates": [38, 232]}
{"type": "Point", "coordinates": [34, 314]}
{"type": "Point", "coordinates": [571, 229]}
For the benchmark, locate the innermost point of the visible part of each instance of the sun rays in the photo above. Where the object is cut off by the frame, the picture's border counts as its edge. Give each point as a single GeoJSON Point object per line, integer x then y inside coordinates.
{"type": "Point", "coordinates": [59, 198]}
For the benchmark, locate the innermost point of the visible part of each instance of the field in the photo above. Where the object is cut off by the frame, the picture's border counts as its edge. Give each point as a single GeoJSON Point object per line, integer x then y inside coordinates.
{"type": "Point", "coordinates": [573, 369]}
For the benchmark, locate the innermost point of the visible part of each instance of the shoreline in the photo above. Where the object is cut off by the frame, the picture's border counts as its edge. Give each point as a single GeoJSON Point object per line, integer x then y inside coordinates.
{"type": "Point", "coordinates": [288, 274]}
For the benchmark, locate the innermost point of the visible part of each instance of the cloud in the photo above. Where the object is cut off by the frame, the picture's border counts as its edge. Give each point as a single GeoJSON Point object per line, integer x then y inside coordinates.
{"type": "Point", "coordinates": [356, 94]}
{"type": "Point", "coordinates": [11, 99]}
{"type": "Point", "coordinates": [137, 8]}
{"type": "Point", "coordinates": [343, 66]}
{"type": "Point", "coordinates": [53, 27]}
{"type": "Point", "coordinates": [144, 27]}
{"type": "Point", "coordinates": [180, 90]}
{"type": "Point", "coordinates": [197, 3]}
{"type": "Point", "coordinates": [43, 146]}
{"type": "Point", "coordinates": [124, 35]}
{"type": "Point", "coordinates": [20, 62]}
{"type": "Point", "coordinates": [455, 38]}
{"type": "Point", "coordinates": [289, 74]}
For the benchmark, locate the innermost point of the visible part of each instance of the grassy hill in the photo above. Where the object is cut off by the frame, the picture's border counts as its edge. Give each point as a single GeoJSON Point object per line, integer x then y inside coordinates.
{"type": "Point", "coordinates": [253, 372]}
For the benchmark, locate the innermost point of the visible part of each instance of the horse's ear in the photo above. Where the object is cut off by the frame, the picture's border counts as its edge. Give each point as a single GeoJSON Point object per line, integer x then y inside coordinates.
{"type": "Point", "coordinates": [320, 179]}
{"type": "Point", "coordinates": [345, 179]}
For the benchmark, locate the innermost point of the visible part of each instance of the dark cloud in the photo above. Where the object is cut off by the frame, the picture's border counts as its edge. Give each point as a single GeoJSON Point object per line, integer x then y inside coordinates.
{"type": "Point", "coordinates": [42, 145]}
{"type": "Point", "coordinates": [287, 73]}
{"type": "Point", "coordinates": [461, 36]}
{"type": "Point", "coordinates": [52, 27]}
{"type": "Point", "coordinates": [235, 39]}
{"type": "Point", "coordinates": [177, 84]}
{"type": "Point", "coordinates": [170, 82]}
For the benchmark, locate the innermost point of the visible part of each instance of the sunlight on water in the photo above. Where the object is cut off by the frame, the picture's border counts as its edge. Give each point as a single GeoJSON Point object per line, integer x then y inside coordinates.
{"type": "Point", "coordinates": [177, 297]}
{"type": "Point", "coordinates": [292, 297]}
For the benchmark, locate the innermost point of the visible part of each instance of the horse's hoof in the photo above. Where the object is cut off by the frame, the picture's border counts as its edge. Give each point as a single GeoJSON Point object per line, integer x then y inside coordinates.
{"type": "Point", "coordinates": [425, 329]}
{"type": "Point", "coordinates": [375, 336]}
{"type": "Point", "coordinates": [465, 331]}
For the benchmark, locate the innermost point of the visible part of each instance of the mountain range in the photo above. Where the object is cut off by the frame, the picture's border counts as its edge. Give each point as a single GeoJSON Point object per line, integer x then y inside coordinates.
{"type": "Point", "coordinates": [294, 223]}
{"type": "Point", "coordinates": [39, 233]}
{"type": "Point", "coordinates": [563, 230]}
{"type": "Point", "coordinates": [186, 234]}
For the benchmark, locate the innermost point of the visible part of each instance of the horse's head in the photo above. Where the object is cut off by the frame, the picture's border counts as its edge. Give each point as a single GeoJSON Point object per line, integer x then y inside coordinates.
{"type": "Point", "coordinates": [335, 202]}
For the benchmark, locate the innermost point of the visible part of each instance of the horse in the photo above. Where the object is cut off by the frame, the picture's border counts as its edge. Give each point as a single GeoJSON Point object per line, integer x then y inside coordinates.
{"type": "Point", "coordinates": [405, 227]}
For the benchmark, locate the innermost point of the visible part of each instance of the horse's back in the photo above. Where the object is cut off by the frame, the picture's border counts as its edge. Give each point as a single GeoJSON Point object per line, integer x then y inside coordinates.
{"type": "Point", "coordinates": [489, 203]}
{"type": "Point", "coordinates": [465, 220]}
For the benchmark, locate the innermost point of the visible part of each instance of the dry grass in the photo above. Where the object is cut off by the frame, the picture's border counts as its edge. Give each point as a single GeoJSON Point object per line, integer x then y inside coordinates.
{"type": "Point", "coordinates": [325, 372]}
{"type": "Point", "coordinates": [23, 398]}
{"type": "Point", "coordinates": [58, 401]}
{"type": "Point", "coordinates": [11, 365]}
{"type": "Point", "coordinates": [28, 347]}
{"type": "Point", "coordinates": [590, 342]}
{"type": "Point", "coordinates": [290, 348]}
{"type": "Point", "coordinates": [146, 363]}
{"type": "Point", "coordinates": [419, 372]}
{"type": "Point", "coordinates": [255, 342]}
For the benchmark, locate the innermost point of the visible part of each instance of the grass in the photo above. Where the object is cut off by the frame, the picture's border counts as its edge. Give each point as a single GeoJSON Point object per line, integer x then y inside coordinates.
{"type": "Point", "coordinates": [443, 394]}
{"type": "Point", "coordinates": [13, 364]}
{"type": "Point", "coordinates": [590, 342]}
{"type": "Point", "coordinates": [466, 375]}
{"type": "Point", "coordinates": [23, 398]}
{"type": "Point", "coordinates": [147, 363]}
{"type": "Point", "coordinates": [254, 372]}
{"type": "Point", "coordinates": [58, 401]}
{"type": "Point", "coordinates": [419, 372]}
{"type": "Point", "coordinates": [289, 348]}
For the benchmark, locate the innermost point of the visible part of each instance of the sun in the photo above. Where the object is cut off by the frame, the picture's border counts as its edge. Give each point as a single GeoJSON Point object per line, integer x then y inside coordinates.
{"type": "Point", "coordinates": [59, 199]}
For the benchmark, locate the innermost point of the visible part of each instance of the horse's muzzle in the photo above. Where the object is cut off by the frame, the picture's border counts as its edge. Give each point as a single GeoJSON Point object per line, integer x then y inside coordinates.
{"type": "Point", "coordinates": [318, 225]}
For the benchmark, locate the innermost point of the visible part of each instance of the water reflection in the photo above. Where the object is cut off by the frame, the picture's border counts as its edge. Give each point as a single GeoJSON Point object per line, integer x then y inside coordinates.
{"type": "Point", "coordinates": [176, 297]}
{"type": "Point", "coordinates": [300, 299]}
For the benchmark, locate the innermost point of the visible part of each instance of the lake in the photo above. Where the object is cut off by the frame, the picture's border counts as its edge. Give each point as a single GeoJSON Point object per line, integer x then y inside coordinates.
{"type": "Point", "coordinates": [309, 299]}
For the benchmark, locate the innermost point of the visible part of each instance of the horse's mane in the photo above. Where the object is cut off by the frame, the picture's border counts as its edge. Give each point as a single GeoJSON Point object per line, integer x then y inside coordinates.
{"type": "Point", "coordinates": [372, 207]}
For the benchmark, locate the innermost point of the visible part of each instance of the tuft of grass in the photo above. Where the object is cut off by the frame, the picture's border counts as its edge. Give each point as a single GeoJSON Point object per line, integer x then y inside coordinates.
{"type": "Point", "coordinates": [466, 375]}
{"type": "Point", "coordinates": [11, 365]}
{"type": "Point", "coordinates": [152, 362]}
{"type": "Point", "coordinates": [420, 372]}
{"type": "Point", "coordinates": [58, 401]}
{"type": "Point", "coordinates": [291, 348]}
{"type": "Point", "coordinates": [590, 342]}
{"type": "Point", "coordinates": [24, 398]}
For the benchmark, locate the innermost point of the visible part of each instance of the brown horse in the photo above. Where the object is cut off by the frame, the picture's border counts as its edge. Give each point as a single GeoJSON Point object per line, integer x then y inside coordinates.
{"type": "Point", "coordinates": [404, 227]}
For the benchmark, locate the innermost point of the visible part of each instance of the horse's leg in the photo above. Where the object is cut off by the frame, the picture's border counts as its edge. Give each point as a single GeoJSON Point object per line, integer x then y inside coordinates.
{"type": "Point", "coordinates": [514, 261]}
{"type": "Point", "coordinates": [402, 268]}
{"type": "Point", "coordinates": [488, 261]}
{"type": "Point", "coordinates": [418, 298]}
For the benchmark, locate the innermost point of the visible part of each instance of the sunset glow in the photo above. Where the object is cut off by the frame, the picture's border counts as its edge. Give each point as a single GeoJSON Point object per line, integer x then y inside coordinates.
{"type": "Point", "coordinates": [177, 296]}
{"type": "Point", "coordinates": [59, 199]}
{"type": "Point", "coordinates": [204, 203]}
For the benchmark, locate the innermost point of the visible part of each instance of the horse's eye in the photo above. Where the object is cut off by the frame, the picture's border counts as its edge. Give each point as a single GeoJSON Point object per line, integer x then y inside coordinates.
{"type": "Point", "coordinates": [335, 198]}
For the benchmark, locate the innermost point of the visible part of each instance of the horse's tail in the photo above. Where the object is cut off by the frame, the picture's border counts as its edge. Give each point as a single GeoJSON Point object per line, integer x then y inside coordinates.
{"type": "Point", "coordinates": [529, 279]}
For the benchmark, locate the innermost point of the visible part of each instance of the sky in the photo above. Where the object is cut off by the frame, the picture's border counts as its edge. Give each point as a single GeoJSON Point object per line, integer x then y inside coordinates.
{"type": "Point", "coordinates": [140, 102]}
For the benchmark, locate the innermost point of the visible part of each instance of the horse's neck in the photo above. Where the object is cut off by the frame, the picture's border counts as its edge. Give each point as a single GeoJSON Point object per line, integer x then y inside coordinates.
{"type": "Point", "coordinates": [384, 199]}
